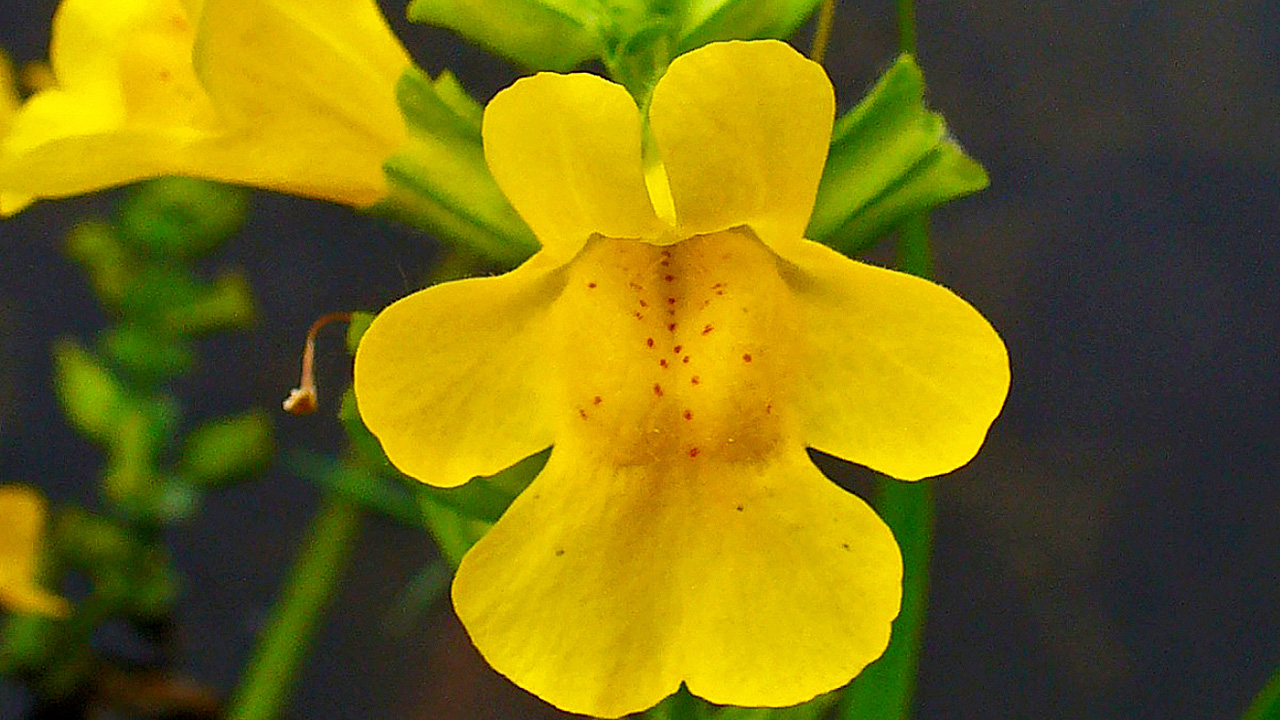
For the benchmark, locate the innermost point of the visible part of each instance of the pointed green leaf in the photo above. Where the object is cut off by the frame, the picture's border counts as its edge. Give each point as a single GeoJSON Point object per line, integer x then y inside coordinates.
{"type": "Point", "coordinates": [228, 449]}
{"type": "Point", "coordinates": [372, 492]}
{"type": "Point", "coordinates": [439, 180]}
{"type": "Point", "coordinates": [91, 396]}
{"type": "Point", "coordinates": [538, 34]}
{"type": "Point", "coordinates": [707, 21]}
{"type": "Point", "coordinates": [890, 157]}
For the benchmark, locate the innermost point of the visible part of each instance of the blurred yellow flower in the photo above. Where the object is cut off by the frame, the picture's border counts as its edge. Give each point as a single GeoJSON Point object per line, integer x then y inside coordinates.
{"type": "Point", "coordinates": [22, 517]}
{"type": "Point", "coordinates": [680, 344]}
{"type": "Point", "coordinates": [291, 95]}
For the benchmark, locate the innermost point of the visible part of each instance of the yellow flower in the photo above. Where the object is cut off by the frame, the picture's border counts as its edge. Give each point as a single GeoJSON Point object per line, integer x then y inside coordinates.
{"type": "Point", "coordinates": [22, 516]}
{"type": "Point", "coordinates": [680, 344]}
{"type": "Point", "coordinates": [290, 95]}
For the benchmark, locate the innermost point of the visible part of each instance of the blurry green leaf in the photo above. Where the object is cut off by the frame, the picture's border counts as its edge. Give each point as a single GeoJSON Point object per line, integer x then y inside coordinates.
{"type": "Point", "coordinates": [156, 290]}
{"type": "Point", "coordinates": [181, 217]}
{"type": "Point", "coordinates": [89, 393]}
{"type": "Point", "coordinates": [224, 305]}
{"type": "Point", "coordinates": [1266, 706]}
{"type": "Point", "coordinates": [418, 597]}
{"type": "Point", "coordinates": [538, 34]}
{"type": "Point", "coordinates": [132, 479]}
{"type": "Point", "coordinates": [110, 266]}
{"type": "Point", "coordinates": [439, 180]}
{"type": "Point", "coordinates": [453, 532]}
{"type": "Point", "coordinates": [366, 446]}
{"type": "Point", "coordinates": [146, 354]}
{"type": "Point", "coordinates": [370, 491]}
{"type": "Point", "coordinates": [360, 321]}
{"type": "Point", "coordinates": [458, 517]}
{"type": "Point", "coordinates": [890, 158]}
{"type": "Point", "coordinates": [706, 21]}
{"type": "Point", "coordinates": [153, 585]}
{"type": "Point", "coordinates": [815, 709]}
{"type": "Point", "coordinates": [228, 449]}
{"type": "Point", "coordinates": [27, 642]}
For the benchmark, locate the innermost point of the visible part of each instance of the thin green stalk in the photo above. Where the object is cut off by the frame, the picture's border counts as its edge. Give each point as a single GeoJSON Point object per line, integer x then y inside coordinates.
{"type": "Point", "coordinates": [822, 33]}
{"type": "Point", "coordinates": [907, 26]}
{"type": "Point", "coordinates": [283, 643]}
{"type": "Point", "coordinates": [1267, 705]}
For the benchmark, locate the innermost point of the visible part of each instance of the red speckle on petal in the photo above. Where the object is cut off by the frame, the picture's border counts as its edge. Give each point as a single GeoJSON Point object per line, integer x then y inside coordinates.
{"type": "Point", "coordinates": [644, 304]}
{"type": "Point", "coordinates": [668, 278]}
{"type": "Point", "coordinates": [663, 362]}
{"type": "Point", "coordinates": [671, 301]}
{"type": "Point", "coordinates": [677, 349]}
{"type": "Point", "coordinates": [648, 342]}
{"type": "Point", "coordinates": [746, 357]}
{"type": "Point", "coordinates": [706, 330]}
{"type": "Point", "coordinates": [582, 413]}
{"type": "Point", "coordinates": [694, 380]}
{"type": "Point", "coordinates": [688, 415]}
{"type": "Point", "coordinates": [591, 285]}
{"type": "Point", "coordinates": [657, 389]}
{"type": "Point", "coordinates": [685, 359]}
{"type": "Point", "coordinates": [693, 452]}
{"type": "Point", "coordinates": [597, 400]}
{"type": "Point", "coordinates": [671, 327]}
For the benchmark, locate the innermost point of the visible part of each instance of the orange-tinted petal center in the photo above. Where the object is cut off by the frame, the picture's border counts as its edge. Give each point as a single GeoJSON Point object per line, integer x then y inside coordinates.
{"type": "Point", "coordinates": [677, 353]}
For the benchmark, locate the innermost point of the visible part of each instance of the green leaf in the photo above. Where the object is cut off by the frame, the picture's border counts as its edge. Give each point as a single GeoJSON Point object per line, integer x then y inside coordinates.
{"type": "Point", "coordinates": [228, 449]}
{"type": "Point", "coordinates": [375, 493]}
{"type": "Point", "coordinates": [360, 321]}
{"type": "Point", "coordinates": [538, 34]}
{"type": "Point", "coordinates": [890, 158]}
{"type": "Point", "coordinates": [145, 354]}
{"type": "Point", "coordinates": [458, 517]}
{"type": "Point", "coordinates": [111, 266]}
{"type": "Point", "coordinates": [181, 217]}
{"type": "Point", "coordinates": [1266, 706]}
{"type": "Point", "coordinates": [439, 180]}
{"type": "Point", "coordinates": [91, 396]}
{"type": "Point", "coordinates": [707, 21]}
{"type": "Point", "coordinates": [225, 304]}
{"type": "Point", "coordinates": [815, 709]}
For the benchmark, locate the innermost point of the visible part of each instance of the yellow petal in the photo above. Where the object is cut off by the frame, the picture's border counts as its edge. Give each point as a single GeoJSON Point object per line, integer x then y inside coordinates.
{"type": "Point", "coordinates": [453, 379]}
{"type": "Point", "coordinates": [604, 587]}
{"type": "Point", "coordinates": [22, 518]}
{"type": "Point", "coordinates": [566, 151]}
{"type": "Point", "coordinates": [308, 90]}
{"type": "Point", "coordinates": [903, 375]}
{"type": "Point", "coordinates": [129, 104]}
{"type": "Point", "coordinates": [743, 128]}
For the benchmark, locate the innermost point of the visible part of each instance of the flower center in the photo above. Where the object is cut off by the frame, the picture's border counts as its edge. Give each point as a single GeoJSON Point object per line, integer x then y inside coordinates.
{"type": "Point", "coordinates": [676, 353]}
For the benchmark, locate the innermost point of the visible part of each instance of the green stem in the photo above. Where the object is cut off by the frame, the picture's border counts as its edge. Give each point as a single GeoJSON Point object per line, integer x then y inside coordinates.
{"type": "Point", "coordinates": [1267, 705]}
{"type": "Point", "coordinates": [907, 26]}
{"type": "Point", "coordinates": [284, 642]}
{"type": "Point", "coordinates": [822, 33]}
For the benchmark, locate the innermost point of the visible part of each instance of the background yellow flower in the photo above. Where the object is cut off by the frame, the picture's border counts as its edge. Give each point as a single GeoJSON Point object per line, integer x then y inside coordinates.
{"type": "Point", "coordinates": [22, 519]}
{"type": "Point", "coordinates": [281, 94]}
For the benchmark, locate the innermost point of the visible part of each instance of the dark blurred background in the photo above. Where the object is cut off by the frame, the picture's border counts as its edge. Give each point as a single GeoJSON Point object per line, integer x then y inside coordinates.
{"type": "Point", "coordinates": [1113, 553]}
